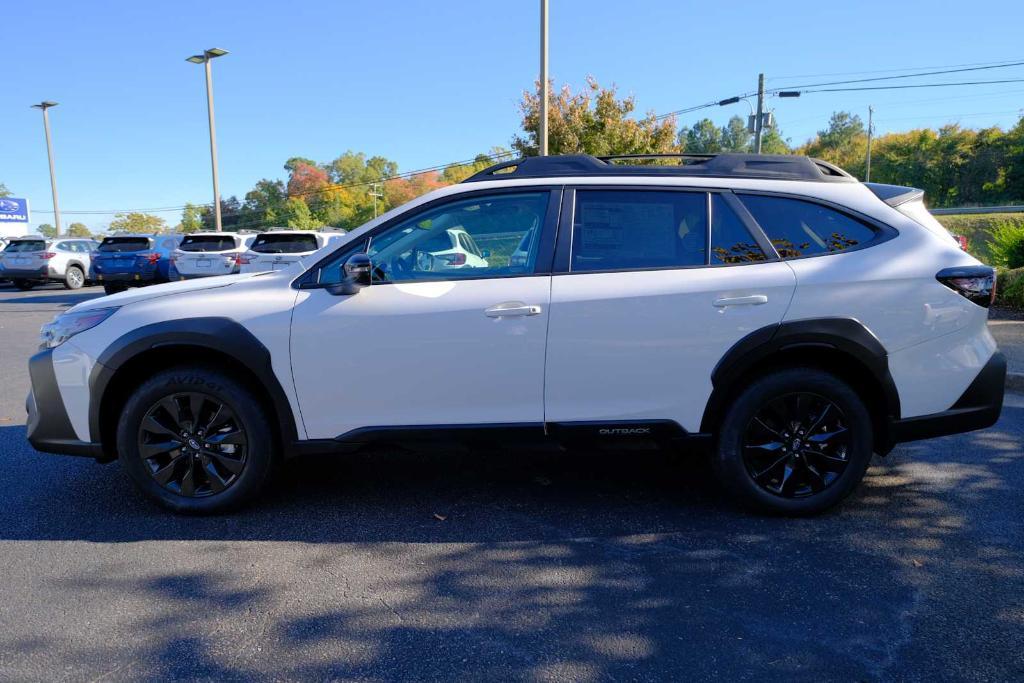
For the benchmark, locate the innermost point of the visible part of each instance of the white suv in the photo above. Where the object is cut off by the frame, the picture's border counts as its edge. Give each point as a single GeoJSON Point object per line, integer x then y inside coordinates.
{"type": "Point", "coordinates": [278, 249]}
{"type": "Point", "coordinates": [30, 261]}
{"type": "Point", "coordinates": [771, 311]}
{"type": "Point", "coordinates": [203, 254]}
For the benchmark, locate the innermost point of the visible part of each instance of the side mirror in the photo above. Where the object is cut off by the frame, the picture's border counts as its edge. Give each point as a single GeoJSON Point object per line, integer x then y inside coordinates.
{"type": "Point", "coordinates": [358, 269]}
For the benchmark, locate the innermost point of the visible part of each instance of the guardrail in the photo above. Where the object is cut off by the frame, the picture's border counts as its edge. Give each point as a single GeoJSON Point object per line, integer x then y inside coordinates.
{"type": "Point", "coordinates": [977, 209]}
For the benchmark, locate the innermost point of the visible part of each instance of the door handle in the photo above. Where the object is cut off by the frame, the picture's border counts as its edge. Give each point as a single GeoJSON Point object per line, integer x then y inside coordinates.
{"type": "Point", "coordinates": [753, 300]}
{"type": "Point", "coordinates": [511, 309]}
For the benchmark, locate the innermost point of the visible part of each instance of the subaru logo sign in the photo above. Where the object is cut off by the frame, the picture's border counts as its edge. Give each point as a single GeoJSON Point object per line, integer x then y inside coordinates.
{"type": "Point", "coordinates": [14, 216]}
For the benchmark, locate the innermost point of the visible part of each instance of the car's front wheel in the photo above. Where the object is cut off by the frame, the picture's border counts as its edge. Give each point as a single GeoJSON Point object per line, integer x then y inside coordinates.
{"type": "Point", "coordinates": [796, 441]}
{"type": "Point", "coordinates": [195, 440]}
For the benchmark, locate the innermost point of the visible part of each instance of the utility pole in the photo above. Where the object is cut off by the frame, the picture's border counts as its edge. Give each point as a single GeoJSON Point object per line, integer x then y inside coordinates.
{"type": "Point", "coordinates": [375, 193]}
{"type": "Point", "coordinates": [44, 105]}
{"type": "Point", "coordinates": [542, 136]}
{"type": "Point", "coordinates": [759, 121]}
{"type": "Point", "coordinates": [205, 59]}
{"type": "Point", "coordinates": [867, 163]}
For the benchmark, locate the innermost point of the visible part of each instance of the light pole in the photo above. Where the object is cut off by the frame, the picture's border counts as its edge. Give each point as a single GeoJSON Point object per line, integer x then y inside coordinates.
{"type": "Point", "coordinates": [44, 105]}
{"type": "Point", "coordinates": [543, 128]}
{"type": "Point", "coordinates": [205, 59]}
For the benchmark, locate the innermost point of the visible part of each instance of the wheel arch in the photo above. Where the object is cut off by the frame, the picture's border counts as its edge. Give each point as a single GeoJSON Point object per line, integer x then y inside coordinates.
{"type": "Point", "coordinates": [218, 342]}
{"type": "Point", "coordinates": [841, 346]}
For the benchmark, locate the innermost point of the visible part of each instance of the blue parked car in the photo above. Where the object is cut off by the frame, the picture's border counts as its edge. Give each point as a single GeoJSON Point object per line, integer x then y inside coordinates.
{"type": "Point", "coordinates": [123, 261]}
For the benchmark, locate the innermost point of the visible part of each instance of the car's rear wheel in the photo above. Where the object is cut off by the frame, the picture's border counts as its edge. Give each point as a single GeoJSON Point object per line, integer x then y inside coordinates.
{"type": "Point", "coordinates": [23, 285]}
{"type": "Point", "coordinates": [113, 289]}
{"type": "Point", "coordinates": [74, 278]}
{"type": "Point", "coordinates": [796, 442]}
{"type": "Point", "coordinates": [195, 440]}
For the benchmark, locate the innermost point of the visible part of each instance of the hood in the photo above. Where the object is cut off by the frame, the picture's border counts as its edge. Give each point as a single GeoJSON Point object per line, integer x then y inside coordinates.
{"type": "Point", "coordinates": [135, 295]}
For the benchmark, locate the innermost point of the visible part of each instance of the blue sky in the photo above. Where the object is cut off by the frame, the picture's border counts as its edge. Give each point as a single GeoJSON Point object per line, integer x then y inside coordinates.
{"type": "Point", "coordinates": [430, 82]}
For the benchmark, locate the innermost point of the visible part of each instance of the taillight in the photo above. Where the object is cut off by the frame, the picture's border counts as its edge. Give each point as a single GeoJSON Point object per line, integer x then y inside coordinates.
{"type": "Point", "coordinates": [243, 259]}
{"type": "Point", "coordinates": [152, 257]}
{"type": "Point", "coordinates": [47, 255]}
{"type": "Point", "coordinates": [975, 283]}
{"type": "Point", "coordinates": [456, 259]}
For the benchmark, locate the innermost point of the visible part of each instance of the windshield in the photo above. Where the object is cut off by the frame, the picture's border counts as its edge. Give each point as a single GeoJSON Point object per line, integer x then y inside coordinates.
{"type": "Point", "coordinates": [26, 245]}
{"type": "Point", "coordinates": [122, 244]}
{"type": "Point", "coordinates": [207, 243]}
{"type": "Point", "coordinates": [284, 244]}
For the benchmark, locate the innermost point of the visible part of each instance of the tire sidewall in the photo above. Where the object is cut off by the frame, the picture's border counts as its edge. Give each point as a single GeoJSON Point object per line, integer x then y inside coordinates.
{"type": "Point", "coordinates": [247, 409]}
{"type": "Point", "coordinates": [732, 470]}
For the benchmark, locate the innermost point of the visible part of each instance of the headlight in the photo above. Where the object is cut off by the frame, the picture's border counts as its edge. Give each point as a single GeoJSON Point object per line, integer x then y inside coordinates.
{"type": "Point", "coordinates": [67, 325]}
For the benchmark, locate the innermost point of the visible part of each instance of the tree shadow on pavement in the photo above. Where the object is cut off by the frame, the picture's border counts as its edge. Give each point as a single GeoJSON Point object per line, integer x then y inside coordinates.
{"type": "Point", "coordinates": [527, 566]}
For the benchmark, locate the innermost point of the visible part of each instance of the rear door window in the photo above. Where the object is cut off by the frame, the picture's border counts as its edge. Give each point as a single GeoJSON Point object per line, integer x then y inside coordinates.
{"type": "Point", "coordinates": [638, 229]}
{"type": "Point", "coordinates": [731, 242]}
{"type": "Point", "coordinates": [799, 228]}
{"type": "Point", "coordinates": [207, 243]}
{"type": "Point", "coordinates": [284, 244]}
{"type": "Point", "coordinates": [123, 244]}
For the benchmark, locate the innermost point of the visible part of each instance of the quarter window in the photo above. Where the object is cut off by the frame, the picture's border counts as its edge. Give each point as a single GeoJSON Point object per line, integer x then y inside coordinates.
{"type": "Point", "coordinates": [638, 229]}
{"type": "Point", "coordinates": [731, 242]}
{"type": "Point", "coordinates": [797, 228]}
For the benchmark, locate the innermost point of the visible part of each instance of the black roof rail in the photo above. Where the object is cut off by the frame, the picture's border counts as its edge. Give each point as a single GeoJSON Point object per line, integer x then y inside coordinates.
{"type": "Point", "coordinates": [726, 165]}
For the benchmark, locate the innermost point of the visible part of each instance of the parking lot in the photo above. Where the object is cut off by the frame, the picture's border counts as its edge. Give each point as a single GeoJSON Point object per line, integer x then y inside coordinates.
{"type": "Point", "coordinates": [502, 565]}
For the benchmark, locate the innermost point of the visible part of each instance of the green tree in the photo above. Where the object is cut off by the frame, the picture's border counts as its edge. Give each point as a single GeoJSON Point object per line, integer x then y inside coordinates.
{"type": "Point", "coordinates": [735, 136]}
{"type": "Point", "coordinates": [47, 230]}
{"type": "Point", "coordinates": [191, 220]}
{"type": "Point", "coordinates": [844, 143]}
{"type": "Point", "coordinates": [704, 138]}
{"type": "Point", "coordinates": [772, 142]}
{"type": "Point", "coordinates": [137, 222]}
{"type": "Point", "coordinates": [593, 121]}
{"type": "Point", "coordinates": [78, 230]}
{"type": "Point", "coordinates": [297, 216]}
{"type": "Point", "coordinates": [4, 192]}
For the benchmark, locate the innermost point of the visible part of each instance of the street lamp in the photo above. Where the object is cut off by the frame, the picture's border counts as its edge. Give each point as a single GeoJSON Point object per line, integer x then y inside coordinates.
{"type": "Point", "coordinates": [205, 59]}
{"type": "Point", "coordinates": [44, 105]}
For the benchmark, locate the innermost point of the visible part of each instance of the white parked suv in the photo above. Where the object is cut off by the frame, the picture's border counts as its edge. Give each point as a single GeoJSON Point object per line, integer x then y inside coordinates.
{"type": "Point", "coordinates": [277, 249]}
{"type": "Point", "coordinates": [773, 312]}
{"type": "Point", "coordinates": [203, 254]}
{"type": "Point", "coordinates": [33, 260]}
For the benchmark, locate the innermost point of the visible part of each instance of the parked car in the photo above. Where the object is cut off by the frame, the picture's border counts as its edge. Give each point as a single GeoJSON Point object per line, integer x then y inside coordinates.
{"type": "Point", "coordinates": [203, 254]}
{"type": "Point", "coordinates": [4, 241]}
{"type": "Point", "coordinates": [277, 249]}
{"type": "Point", "coordinates": [30, 261]}
{"type": "Point", "coordinates": [770, 311]}
{"type": "Point", "coordinates": [123, 261]}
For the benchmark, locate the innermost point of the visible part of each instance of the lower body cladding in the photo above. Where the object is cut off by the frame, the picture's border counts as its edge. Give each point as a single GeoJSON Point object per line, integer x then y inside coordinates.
{"type": "Point", "coordinates": [52, 429]}
{"type": "Point", "coordinates": [40, 274]}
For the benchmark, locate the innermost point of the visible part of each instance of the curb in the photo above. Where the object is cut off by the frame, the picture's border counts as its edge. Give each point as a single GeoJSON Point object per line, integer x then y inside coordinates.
{"type": "Point", "coordinates": [1015, 381]}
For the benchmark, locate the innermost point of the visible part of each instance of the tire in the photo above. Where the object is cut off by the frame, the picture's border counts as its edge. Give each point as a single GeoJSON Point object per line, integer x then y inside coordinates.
{"type": "Point", "coordinates": [768, 458]}
{"type": "Point", "coordinates": [74, 278]}
{"type": "Point", "coordinates": [23, 285]}
{"type": "Point", "coordinates": [113, 289]}
{"type": "Point", "coordinates": [186, 486]}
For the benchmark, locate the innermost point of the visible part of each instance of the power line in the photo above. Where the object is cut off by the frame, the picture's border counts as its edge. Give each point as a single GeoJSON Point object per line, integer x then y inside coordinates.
{"type": "Point", "coordinates": [888, 71]}
{"type": "Point", "coordinates": [889, 78]}
{"type": "Point", "coordinates": [916, 85]}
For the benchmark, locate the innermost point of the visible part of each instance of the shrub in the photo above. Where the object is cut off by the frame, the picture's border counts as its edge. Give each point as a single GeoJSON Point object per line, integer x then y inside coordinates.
{"type": "Point", "coordinates": [978, 227]}
{"type": "Point", "coordinates": [1007, 245]}
{"type": "Point", "coordinates": [1010, 288]}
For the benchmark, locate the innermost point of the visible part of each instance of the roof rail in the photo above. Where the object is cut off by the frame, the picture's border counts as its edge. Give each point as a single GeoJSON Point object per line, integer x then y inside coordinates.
{"type": "Point", "coordinates": [727, 165]}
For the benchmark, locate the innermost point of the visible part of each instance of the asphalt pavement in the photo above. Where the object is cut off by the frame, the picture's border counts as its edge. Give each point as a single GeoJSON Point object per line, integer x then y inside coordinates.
{"type": "Point", "coordinates": [501, 565]}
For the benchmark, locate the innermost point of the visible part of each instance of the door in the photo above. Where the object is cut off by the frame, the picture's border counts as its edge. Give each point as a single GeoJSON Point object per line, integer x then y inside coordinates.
{"type": "Point", "coordinates": [653, 290]}
{"type": "Point", "coordinates": [432, 341]}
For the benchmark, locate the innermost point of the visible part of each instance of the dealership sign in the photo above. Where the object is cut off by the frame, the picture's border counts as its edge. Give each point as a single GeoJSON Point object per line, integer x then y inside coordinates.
{"type": "Point", "coordinates": [13, 210]}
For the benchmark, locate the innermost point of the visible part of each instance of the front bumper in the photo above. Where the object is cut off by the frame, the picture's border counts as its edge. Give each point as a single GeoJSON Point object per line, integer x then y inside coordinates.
{"type": "Point", "coordinates": [977, 408]}
{"type": "Point", "coordinates": [49, 429]}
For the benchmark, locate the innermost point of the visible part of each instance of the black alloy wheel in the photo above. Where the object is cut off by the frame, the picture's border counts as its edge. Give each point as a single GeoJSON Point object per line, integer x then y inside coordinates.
{"type": "Point", "coordinates": [797, 445]}
{"type": "Point", "coordinates": [192, 444]}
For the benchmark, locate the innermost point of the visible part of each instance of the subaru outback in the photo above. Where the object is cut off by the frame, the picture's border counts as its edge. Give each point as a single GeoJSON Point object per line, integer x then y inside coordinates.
{"type": "Point", "coordinates": [771, 312]}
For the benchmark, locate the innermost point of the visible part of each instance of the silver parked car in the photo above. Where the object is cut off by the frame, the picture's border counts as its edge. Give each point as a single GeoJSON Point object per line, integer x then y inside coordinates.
{"type": "Point", "coordinates": [33, 260]}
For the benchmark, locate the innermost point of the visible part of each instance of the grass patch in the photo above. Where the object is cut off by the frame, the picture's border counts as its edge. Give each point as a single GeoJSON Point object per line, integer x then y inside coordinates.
{"type": "Point", "coordinates": [977, 228]}
{"type": "Point", "coordinates": [1010, 288]}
